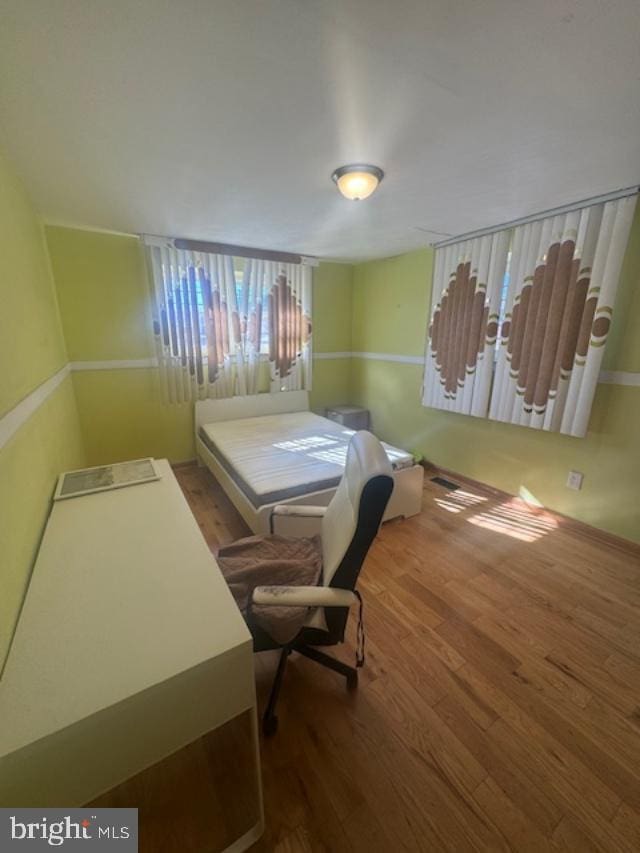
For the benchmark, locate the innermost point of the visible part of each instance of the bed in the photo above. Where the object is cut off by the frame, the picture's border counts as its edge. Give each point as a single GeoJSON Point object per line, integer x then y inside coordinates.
{"type": "Point", "coordinates": [269, 449]}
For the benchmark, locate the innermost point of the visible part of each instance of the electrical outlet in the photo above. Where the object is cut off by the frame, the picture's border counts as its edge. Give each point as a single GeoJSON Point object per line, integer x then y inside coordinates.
{"type": "Point", "coordinates": [574, 480]}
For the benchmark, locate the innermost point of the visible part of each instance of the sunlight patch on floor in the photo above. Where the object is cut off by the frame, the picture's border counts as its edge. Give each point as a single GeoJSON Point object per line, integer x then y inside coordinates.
{"type": "Point", "coordinates": [514, 518]}
{"type": "Point", "coordinates": [458, 501]}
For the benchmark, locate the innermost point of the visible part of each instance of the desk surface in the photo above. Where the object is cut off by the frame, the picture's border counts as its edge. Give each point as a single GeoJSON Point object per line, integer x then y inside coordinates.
{"type": "Point", "coordinates": [124, 595]}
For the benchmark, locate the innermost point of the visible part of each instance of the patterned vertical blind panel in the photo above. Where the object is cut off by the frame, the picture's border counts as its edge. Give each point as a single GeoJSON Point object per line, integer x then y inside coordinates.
{"type": "Point", "coordinates": [564, 276]}
{"type": "Point", "coordinates": [467, 288]}
{"type": "Point", "coordinates": [215, 326]}
{"type": "Point", "coordinates": [290, 328]}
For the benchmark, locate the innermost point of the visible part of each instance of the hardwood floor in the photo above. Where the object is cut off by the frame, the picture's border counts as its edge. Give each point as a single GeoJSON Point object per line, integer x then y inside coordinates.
{"type": "Point", "coordinates": [499, 708]}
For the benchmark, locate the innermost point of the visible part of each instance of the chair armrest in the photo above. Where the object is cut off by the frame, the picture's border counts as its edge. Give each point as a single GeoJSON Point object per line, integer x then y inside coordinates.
{"type": "Point", "coordinates": [292, 511]}
{"type": "Point", "coordinates": [303, 596]}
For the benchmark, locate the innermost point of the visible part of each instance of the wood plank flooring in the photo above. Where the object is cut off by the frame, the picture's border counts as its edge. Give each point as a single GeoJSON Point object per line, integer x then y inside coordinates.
{"type": "Point", "coordinates": [499, 708]}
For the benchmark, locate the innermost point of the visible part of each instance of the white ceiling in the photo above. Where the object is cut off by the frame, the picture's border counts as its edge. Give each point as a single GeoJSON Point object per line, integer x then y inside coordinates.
{"type": "Point", "coordinates": [224, 120]}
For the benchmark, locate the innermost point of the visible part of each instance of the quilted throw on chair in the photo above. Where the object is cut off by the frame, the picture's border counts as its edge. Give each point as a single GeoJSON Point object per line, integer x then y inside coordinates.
{"type": "Point", "coordinates": [271, 561]}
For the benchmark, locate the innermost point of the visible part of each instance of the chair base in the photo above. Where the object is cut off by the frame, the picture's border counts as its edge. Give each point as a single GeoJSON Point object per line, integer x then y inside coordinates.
{"type": "Point", "coordinates": [269, 718]}
{"type": "Point", "coordinates": [349, 672]}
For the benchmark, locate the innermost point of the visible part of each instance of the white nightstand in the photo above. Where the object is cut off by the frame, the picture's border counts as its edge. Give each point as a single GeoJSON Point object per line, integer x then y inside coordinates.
{"type": "Point", "coordinates": [352, 417]}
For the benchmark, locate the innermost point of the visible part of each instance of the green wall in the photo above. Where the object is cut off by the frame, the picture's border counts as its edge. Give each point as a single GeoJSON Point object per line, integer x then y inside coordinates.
{"type": "Point", "coordinates": [123, 417]}
{"type": "Point", "coordinates": [102, 292]}
{"type": "Point", "coordinates": [390, 312]}
{"type": "Point", "coordinates": [390, 304]}
{"type": "Point", "coordinates": [106, 315]}
{"type": "Point", "coordinates": [32, 350]}
{"type": "Point", "coordinates": [104, 301]}
{"type": "Point", "coordinates": [31, 341]}
{"type": "Point", "coordinates": [332, 319]}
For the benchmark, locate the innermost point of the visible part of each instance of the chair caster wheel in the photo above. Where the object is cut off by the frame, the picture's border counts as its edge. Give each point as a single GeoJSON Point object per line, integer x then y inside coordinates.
{"type": "Point", "coordinates": [269, 725]}
{"type": "Point", "coordinates": [352, 681]}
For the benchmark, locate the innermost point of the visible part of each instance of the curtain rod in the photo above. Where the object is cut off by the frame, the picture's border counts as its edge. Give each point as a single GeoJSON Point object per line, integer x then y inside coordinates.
{"type": "Point", "coordinates": [244, 252]}
{"type": "Point", "coordinates": [553, 211]}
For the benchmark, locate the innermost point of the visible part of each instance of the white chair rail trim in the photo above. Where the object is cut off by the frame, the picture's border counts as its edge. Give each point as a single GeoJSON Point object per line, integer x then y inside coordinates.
{"type": "Point", "coordinates": [373, 356]}
{"type": "Point", "coordinates": [118, 364]}
{"type": "Point", "coordinates": [16, 417]}
{"type": "Point", "coordinates": [619, 377]}
{"type": "Point", "coordinates": [608, 377]}
{"type": "Point", "coordinates": [11, 422]}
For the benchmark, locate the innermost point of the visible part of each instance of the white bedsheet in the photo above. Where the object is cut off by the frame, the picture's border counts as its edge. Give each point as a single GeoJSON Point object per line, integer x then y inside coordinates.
{"type": "Point", "coordinates": [276, 454]}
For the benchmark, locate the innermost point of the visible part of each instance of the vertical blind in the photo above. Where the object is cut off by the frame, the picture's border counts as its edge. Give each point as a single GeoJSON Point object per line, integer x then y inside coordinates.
{"type": "Point", "coordinates": [464, 324]}
{"type": "Point", "coordinates": [289, 308]}
{"type": "Point", "coordinates": [553, 309]}
{"type": "Point", "coordinates": [216, 325]}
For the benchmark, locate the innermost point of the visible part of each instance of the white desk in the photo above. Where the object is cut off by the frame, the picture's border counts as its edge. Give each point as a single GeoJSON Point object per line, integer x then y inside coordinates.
{"type": "Point", "coordinates": [128, 648]}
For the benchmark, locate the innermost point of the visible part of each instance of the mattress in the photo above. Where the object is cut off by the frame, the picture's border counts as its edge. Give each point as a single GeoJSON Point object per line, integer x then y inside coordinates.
{"type": "Point", "coordinates": [277, 457]}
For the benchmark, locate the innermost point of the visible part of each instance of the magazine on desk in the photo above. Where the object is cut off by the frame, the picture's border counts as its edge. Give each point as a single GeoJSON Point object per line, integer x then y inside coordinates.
{"type": "Point", "coordinates": [102, 478]}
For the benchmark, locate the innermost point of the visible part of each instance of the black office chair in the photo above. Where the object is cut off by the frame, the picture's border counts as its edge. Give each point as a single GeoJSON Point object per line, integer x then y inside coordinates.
{"type": "Point", "coordinates": [349, 526]}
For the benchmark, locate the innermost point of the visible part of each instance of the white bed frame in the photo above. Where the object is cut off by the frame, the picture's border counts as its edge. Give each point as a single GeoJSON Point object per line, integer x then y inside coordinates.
{"type": "Point", "coordinates": [406, 499]}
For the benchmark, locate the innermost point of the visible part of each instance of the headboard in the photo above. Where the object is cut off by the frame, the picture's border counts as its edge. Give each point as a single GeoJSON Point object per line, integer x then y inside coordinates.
{"type": "Point", "coordinates": [251, 406]}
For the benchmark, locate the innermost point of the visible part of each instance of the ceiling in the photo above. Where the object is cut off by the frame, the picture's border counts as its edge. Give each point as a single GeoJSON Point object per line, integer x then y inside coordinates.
{"type": "Point", "coordinates": [224, 120]}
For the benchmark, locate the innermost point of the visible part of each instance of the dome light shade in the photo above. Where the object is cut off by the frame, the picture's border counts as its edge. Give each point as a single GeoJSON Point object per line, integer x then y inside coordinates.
{"type": "Point", "coordinates": [358, 181]}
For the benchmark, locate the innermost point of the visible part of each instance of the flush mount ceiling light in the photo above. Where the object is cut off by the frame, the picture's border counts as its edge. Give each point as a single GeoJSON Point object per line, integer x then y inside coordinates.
{"type": "Point", "coordinates": [357, 181]}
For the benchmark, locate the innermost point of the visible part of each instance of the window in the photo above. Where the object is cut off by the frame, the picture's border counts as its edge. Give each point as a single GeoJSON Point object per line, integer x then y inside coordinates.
{"type": "Point", "coordinates": [504, 295]}
{"type": "Point", "coordinates": [216, 318]}
{"type": "Point", "coordinates": [239, 283]}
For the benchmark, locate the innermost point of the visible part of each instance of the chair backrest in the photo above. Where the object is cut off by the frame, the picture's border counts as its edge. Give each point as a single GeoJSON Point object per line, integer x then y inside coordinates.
{"type": "Point", "coordinates": [353, 517]}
